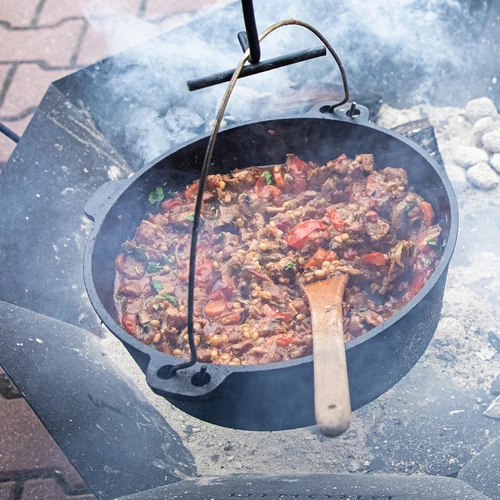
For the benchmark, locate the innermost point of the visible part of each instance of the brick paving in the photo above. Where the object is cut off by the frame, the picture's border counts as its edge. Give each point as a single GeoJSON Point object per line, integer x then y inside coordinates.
{"type": "Point", "coordinates": [44, 40]}
{"type": "Point", "coordinates": [40, 42]}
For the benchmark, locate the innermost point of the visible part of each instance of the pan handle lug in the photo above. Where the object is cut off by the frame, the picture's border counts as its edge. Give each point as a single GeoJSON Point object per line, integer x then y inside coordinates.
{"type": "Point", "coordinates": [102, 198]}
{"type": "Point", "coordinates": [350, 111]}
{"type": "Point", "coordinates": [196, 383]}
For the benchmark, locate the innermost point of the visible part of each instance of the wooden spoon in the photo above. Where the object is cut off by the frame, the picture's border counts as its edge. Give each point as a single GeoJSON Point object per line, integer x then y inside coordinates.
{"type": "Point", "coordinates": [332, 402]}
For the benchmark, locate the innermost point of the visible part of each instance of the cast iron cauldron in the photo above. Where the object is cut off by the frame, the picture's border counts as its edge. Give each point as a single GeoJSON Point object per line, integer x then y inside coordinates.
{"type": "Point", "coordinates": [280, 395]}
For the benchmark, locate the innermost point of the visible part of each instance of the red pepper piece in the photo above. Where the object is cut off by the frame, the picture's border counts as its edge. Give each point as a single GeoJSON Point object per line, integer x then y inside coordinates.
{"type": "Point", "coordinates": [337, 222]}
{"type": "Point", "coordinates": [298, 236]}
{"type": "Point", "coordinates": [129, 322]}
{"type": "Point", "coordinates": [375, 258]}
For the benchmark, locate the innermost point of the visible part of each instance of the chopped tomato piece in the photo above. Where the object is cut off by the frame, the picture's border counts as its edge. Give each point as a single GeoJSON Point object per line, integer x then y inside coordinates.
{"type": "Point", "coordinates": [297, 169]}
{"type": "Point", "coordinates": [427, 213]}
{"type": "Point", "coordinates": [283, 341]}
{"type": "Point", "coordinates": [375, 258]}
{"type": "Point", "coordinates": [417, 283]}
{"type": "Point", "coordinates": [215, 308]}
{"type": "Point", "coordinates": [278, 177]}
{"type": "Point", "coordinates": [129, 322]}
{"type": "Point", "coordinates": [191, 191]}
{"type": "Point", "coordinates": [317, 259]}
{"type": "Point", "coordinates": [337, 222]}
{"type": "Point", "coordinates": [298, 236]}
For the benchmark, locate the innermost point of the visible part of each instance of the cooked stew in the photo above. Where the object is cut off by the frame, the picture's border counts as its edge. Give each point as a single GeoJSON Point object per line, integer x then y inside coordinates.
{"type": "Point", "coordinates": [266, 231]}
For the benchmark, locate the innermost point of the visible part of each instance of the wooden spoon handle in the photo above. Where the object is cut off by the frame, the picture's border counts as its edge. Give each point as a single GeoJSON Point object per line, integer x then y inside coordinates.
{"type": "Point", "coordinates": [331, 387]}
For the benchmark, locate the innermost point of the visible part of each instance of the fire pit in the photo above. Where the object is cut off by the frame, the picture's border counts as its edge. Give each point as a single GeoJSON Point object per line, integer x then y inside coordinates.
{"type": "Point", "coordinates": [431, 422]}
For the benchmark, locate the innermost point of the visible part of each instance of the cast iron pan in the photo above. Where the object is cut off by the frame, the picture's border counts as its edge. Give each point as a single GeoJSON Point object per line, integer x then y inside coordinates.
{"type": "Point", "coordinates": [279, 395]}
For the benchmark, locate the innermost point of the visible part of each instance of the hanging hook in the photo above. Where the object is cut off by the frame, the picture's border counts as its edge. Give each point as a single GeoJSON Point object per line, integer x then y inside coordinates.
{"type": "Point", "coordinates": [251, 29]}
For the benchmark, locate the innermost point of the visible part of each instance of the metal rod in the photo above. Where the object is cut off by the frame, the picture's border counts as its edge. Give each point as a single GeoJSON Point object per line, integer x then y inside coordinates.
{"type": "Point", "coordinates": [9, 133]}
{"type": "Point", "coordinates": [251, 29]}
{"type": "Point", "coordinates": [242, 38]}
{"type": "Point", "coordinates": [268, 65]}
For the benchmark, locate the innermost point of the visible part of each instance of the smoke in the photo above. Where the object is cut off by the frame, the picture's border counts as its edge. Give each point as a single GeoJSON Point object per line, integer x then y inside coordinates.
{"type": "Point", "coordinates": [414, 48]}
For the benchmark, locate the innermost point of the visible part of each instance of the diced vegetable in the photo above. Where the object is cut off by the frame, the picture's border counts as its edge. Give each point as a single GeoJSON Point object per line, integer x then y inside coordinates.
{"type": "Point", "coordinates": [156, 196]}
{"type": "Point", "coordinates": [319, 257]}
{"type": "Point", "coordinates": [129, 322]}
{"type": "Point", "coordinates": [298, 236]}
{"type": "Point", "coordinates": [215, 308]}
{"type": "Point", "coordinates": [375, 258]}
{"type": "Point", "coordinates": [427, 213]}
{"type": "Point", "coordinates": [337, 222]}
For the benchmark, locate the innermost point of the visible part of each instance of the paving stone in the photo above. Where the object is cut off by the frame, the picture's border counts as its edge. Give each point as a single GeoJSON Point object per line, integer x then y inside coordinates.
{"type": "Point", "coordinates": [160, 8]}
{"type": "Point", "coordinates": [28, 86]}
{"type": "Point", "coordinates": [25, 444]}
{"type": "Point", "coordinates": [44, 489]}
{"type": "Point", "coordinates": [54, 11]}
{"type": "Point", "coordinates": [7, 490]}
{"type": "Point", "coordinates": [18, 13]}
{"type": "Point", "coordinates": [55, 46]}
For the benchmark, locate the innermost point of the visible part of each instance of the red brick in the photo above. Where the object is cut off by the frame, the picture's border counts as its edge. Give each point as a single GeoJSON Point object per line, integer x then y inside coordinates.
{"type": "Point", "coordinates": [55, 11]}
{"type": "Point", "coordinates": [44, 489]}
{"type": "Point", "coordinates": [55, 46]}
{"type": "Point", "coordinates": [18, 12]}
{"type": "Point", "coordinates": [28, 87]}
{"type": "Point", "coordinates": [25, 444]}
{"type": "Point", "coordinates": [160, 8]}
{"type": "Point", "coordinates": [7, 491]}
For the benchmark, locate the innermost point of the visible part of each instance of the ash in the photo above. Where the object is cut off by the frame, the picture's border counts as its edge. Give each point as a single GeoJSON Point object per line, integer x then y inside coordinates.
{"type": "Point", "coordinates": [432, 421]}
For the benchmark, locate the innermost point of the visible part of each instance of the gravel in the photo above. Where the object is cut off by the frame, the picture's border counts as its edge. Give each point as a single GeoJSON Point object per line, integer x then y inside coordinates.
{"type": "Point", "coordinates": [491, 141]}
{"type": "Point", "coordinates": [467, 156]}
{"type": "Point", "coordinates": [479, 108]}
{"type": "Point", "coordinates": [482, 176]}
{"type": "Point", "coordinates": [495, 162]}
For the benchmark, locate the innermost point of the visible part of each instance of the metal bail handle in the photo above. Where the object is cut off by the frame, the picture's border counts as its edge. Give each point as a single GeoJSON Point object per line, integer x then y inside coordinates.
{"type": "Point", "coordinates": [208, 159]}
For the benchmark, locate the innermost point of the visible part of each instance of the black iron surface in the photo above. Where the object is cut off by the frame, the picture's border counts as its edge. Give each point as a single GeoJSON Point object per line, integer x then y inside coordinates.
{"type": "Point", "coordinates": [260, 67]}
{"type": "Point", "coordinates": [115, 439]}
{"type": "Point", "coordinates": [315, 486]}
{"type": "Point", "coordinates": [276, 396]}
{"type": "Point", "coordinates": [251, 31]}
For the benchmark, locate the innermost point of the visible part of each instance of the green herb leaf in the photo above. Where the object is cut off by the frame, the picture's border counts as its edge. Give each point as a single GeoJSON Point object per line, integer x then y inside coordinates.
{"type": "Point", "coordinates": [190, 217]}
{"type": "Point", "coordinates": [289, 266]}
{"type": "Point", "coordinates": [171, 193]}
{"type": "Point", "coordinates": [433, 242]}
{"type": "Point", "coordinates": [166, 296]}
{"type": "Point", "coordinates": [166, 260]}
{"type": "Point", "coordinates": [157, 285]}
{"type": "Point", "coordinates": [156, 196]}
{"type": "Point", "coordinates": [137, 270]}
{"type": "Point", "coordinates": [154, 267]}
{"type": "Point", "coordinates": [119, 297]}
{"type": "Point", "coordinates": [268, 177]}
{"type": "Point", "coordinates": [156, 307]}
{"type": "Point", "coordinates": [363, 309]}
{"type": "Point", "coordinates": [426, 260]}
{"type": "Point", "coordinates": [152, 346]}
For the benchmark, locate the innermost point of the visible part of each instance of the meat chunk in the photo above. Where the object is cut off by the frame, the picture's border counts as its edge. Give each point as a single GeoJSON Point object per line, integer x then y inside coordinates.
{"type": "Point", "coordinates": [131, 289]}
{"type": "Point", "coordinates": [175, 318]}
{"type": "Point", "coordinates": [227, 218]}
{"type": "Point", "coordinates": [149, 233]}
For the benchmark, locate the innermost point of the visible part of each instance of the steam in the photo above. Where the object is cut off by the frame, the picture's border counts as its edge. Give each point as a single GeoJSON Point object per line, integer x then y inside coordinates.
{"type": "Point", "coordinates": [386, 45]}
